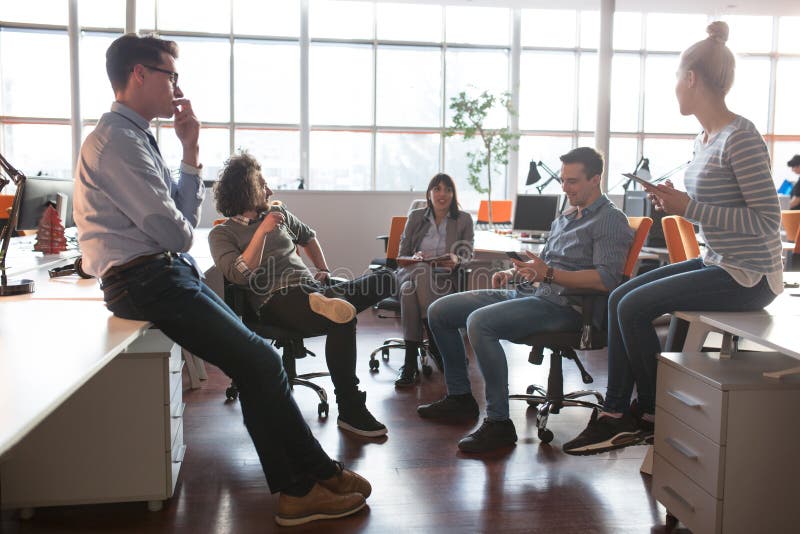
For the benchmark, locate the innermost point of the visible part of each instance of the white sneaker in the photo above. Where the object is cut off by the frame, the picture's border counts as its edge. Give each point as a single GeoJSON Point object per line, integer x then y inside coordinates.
{"type": "Point", "coordinates": [336, 310]}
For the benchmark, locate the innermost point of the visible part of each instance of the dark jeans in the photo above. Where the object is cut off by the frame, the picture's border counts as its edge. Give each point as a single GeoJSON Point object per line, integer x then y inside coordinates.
{"type": "Point", "coordinates": [632, 341]}
{"type": "Point", "coordinates": [290, 309]}
{"type": "Point", "coordinates": [169, 293]}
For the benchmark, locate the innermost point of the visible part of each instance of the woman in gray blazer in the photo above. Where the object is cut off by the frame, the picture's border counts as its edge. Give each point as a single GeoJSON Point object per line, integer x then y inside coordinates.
{"type": "Point", "coordinates": [441, 231]}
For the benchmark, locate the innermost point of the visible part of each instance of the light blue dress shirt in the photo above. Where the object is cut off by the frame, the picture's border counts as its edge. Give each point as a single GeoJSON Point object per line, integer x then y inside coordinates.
{"type": "Point", "coordinates": [126, 202]}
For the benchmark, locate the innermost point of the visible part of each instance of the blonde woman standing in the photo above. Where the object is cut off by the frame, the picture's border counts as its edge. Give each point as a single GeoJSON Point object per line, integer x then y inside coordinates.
{"type": "Point", "coordinates": [731, 196]}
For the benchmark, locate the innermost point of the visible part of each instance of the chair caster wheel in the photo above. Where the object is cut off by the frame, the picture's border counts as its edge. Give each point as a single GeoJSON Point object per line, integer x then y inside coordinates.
{"type": "Point", "coordinates": [385, 355]}
{"type": "Point", "coordinates": [427, 370]}
{"type": "Point", "coordinates": [322, 409]}
{"type": "Point", "coordinates": [531, 390]}
{"type": "Point", "coordinates": [232, 393]}
{"type": "Point", "coordinates": [373, 366]}
{"type": "Point", "coordinates": [545, 435]}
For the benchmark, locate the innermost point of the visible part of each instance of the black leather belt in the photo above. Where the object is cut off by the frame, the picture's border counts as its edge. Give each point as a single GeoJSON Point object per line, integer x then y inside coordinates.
{"type": "Point", "coordinates": [117, 270]}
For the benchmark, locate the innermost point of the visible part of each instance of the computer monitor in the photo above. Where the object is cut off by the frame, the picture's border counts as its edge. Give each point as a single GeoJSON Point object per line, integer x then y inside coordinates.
{"type": "Point", "coordinates": [39, 190]}
{"type": "Point", "coordinates": [533, 214]}
{"type": "Point", "coordinates": [637, 204]}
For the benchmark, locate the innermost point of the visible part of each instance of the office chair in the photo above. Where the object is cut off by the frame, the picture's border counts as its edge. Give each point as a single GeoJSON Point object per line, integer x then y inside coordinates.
{"type": "Point", "coordinates": [565, 343]}
{"type": "Point", "coordinates": [377, 262]}
{"type": "Point", "coordinates": [501, 213]}
{"type": "Point", "coordinates": [282, 338]}
{"type": "Point", "coordinates": [790, 219]}
{"type": "Point", "coordinates": [793, 260]}
{"type": "Point", "coordinates": [392, 304]}
{"type": "Point", "coordinates": [680, 237]}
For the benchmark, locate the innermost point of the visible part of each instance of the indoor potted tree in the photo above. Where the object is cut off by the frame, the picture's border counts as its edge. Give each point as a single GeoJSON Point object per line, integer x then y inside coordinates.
{"type": "Point", "coordinates": [469, 117]}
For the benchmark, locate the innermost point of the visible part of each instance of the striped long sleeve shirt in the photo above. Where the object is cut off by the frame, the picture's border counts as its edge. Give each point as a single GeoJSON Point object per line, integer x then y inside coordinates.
{"type": "Point", "coordinates": [733, 199]}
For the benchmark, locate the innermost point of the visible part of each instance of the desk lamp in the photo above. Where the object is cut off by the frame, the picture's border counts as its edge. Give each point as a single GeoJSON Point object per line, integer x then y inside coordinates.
{"type": "Point", "coordinates": [534, 176]}
{"type": "Point", "coordinates": [642, 170]}
{"type": "Point", "coordinates": [11, 287]}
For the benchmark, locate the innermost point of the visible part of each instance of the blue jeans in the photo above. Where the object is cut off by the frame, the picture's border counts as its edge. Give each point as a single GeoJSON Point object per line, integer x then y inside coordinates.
{"type": "Point", "coordinates": [169, 293]}
{"type": "Point", "coordinates": [490, 315]}
{"type": "Point", "coordinates": [632, 341]}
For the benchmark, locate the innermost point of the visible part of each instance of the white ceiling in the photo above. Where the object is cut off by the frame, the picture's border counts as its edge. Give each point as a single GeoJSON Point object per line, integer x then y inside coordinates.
{"type": "Point", "coordinates": [710, 7]}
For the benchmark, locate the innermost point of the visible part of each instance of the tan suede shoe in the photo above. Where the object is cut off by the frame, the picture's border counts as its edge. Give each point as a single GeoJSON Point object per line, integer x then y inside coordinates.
{"type": "Point", "coordinates": [346, 481]}
{"type": "Point", "coordinates": [337, 310]}
{"type": "Point", "coordinates": [319, 503]}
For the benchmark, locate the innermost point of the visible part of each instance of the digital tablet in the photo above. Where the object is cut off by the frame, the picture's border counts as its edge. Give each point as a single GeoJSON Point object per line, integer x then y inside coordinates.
{"type": "Point", "coordinates": [641, 181]}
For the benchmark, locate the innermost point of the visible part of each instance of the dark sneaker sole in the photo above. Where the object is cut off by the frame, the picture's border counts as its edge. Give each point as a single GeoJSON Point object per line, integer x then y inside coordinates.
{"type": "Point", "coordinates": [451, 416]}
{"type": "Point", "coordinates": [360, 431]}
{"type": "Point", "coordinates": [620, 441]}
{"type": "Point", "coordinates": [302, 520]}
{"type": "Point", "coordinates": [470, 450]}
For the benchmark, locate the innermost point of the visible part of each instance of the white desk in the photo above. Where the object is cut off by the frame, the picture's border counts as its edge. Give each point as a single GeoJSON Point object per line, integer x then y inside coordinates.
{"type": "Point", "coordinates": [106, 391]}
{"type": "Point", "coordinates": [48, 350]}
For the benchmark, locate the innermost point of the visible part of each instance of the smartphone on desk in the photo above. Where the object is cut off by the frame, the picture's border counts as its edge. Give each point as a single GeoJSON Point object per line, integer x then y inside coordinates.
{"type": "Point", "coordinates": [516, 256]}
{"type": "Point", "coordinates": [641, 181]}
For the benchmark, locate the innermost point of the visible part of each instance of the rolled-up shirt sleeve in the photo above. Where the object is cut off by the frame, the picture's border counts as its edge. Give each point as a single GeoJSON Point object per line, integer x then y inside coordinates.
{"type": "Point", "coordinates": [188, 193]}
{"type": "Point", "coordinates": [227, 256]}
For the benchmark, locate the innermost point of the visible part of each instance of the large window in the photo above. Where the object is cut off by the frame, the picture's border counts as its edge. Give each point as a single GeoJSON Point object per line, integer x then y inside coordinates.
{"type": "Point", "coordinates": [361, 101]}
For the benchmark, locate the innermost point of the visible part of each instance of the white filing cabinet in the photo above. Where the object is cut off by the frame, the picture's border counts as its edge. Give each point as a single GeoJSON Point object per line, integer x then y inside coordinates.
{"type": "Point", "coordinates": [117, 438]}
{"type": "Point", "coordinates": [726, 440]}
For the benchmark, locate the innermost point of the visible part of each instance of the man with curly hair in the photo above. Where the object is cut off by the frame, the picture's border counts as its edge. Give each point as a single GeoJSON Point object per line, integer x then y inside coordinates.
{"type": "Point", "coordinates": [257, 248]}
{"type": "Point", "coordinates": [134, 226]}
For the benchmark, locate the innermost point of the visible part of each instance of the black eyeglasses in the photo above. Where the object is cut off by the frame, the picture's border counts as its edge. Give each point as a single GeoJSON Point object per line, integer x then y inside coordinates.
{"type": "Point", "coordinates": [173, 76]}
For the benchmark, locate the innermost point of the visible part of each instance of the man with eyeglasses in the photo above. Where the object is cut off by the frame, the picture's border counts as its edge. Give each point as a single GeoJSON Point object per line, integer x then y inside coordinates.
{"type": "Point", "coordinates": [134, 226]}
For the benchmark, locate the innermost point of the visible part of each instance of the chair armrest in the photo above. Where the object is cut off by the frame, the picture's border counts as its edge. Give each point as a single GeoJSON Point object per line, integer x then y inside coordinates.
{"type": "Point", "coordinates": [385, 241]}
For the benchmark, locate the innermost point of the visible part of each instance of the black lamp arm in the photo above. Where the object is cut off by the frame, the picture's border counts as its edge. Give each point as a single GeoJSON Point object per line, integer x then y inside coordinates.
{"type": "Point", "coordinates": [19, 180]}
{"type": "Point", "coordinates": [549, 171]}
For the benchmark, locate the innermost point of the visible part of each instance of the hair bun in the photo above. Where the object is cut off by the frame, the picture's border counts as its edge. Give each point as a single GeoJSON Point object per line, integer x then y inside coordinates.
{"type": "Point", "coordinates": [718, 31]}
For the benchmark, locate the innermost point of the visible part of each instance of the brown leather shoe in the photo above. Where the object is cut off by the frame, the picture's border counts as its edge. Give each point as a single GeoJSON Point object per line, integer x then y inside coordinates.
{"type": "Point", "coordinates": [346, 481]}
{"type": "Point", "coordinates": [319, 503]}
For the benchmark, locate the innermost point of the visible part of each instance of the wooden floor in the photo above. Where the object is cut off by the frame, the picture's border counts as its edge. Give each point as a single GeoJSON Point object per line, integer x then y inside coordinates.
{"type": "Point", "coordinates": [421, 482]}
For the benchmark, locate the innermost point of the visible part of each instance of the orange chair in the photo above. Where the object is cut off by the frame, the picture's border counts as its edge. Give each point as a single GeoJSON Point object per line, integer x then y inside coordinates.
{"type": "Point", "coordinates": [681, 239]}
{"type": "Point", "coordinates": [793, 260]}
{"type": "Point", "coordinates": [790, 219]}
{"type": "Point", "coordinates": [562, 345]}
{"type": "Point", "coordinates": [501, 212]}
{"type": "Point", "coordinates": [5, 205]}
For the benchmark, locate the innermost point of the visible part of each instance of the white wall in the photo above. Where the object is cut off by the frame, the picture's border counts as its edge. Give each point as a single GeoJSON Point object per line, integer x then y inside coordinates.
{"type": "Point", "coordinates": [346, 221]}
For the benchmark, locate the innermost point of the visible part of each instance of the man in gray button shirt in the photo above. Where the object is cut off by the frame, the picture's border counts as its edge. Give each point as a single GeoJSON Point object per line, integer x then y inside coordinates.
{"type": "Point", "coordinates": [587, 249]}
{"type": "Point", "coordinates": [134, 222]}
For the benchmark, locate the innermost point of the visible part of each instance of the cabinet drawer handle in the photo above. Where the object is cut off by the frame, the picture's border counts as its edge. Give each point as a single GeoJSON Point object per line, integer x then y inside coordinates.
{"type": "Point", "coordinates": [681, 448]}
{"type": "Point", "coordinates": [678, 497]}
{"type": "Point", "coordinates": [683, 398]}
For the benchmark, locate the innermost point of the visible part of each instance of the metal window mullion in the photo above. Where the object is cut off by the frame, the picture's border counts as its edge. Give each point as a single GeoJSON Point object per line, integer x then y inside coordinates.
{"type": "Point", "coordinates": [374, 128]}
{"type": "Point", "coordinates": [231, 89]}
{"type": "Point", "coordinates": [73, 31]}
{"type": "Point", "coordinates": [443, 129]}
{"type": "Point", "coordinates": [305, 136]}
{"type": "Point", "coordinates": [773, 89]}
{"type": "Point", "coordinates": [512, 169]}
{"type": "Point", "coordinates": [130, 16]}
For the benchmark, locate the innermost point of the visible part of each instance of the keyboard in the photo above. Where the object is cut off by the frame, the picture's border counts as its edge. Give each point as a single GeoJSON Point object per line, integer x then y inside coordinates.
{"type": "Point", "coordinates": [497, 226]}
{"type": "Point", "coordinates": [533, 240]}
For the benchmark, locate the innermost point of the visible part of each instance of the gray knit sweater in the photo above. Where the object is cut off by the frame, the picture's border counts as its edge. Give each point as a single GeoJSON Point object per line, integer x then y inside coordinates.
{"type": "Point", "coordinates": [281, 265]}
